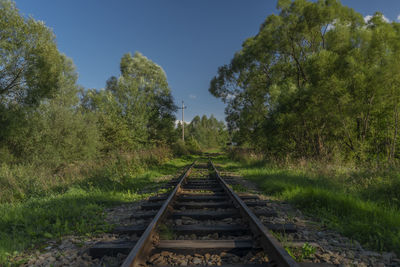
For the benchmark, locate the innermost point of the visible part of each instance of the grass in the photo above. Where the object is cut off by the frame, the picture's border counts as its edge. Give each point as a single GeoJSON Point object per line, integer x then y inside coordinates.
{"type": "Point", "coordinates": [75, 207]}
{"type": "Point", "coordinates": [362, 204]}
{"type": "Point", "coordinates": [213, 150]}
{"type": "Point", "coordinates": [166, 232]}
{"type": "Point", "coordinates": [239, 188]}
{"type": "Point", "coordinates": [300, 254]}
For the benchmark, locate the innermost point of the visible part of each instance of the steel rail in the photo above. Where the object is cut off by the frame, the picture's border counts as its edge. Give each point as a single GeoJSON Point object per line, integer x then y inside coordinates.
{"type": "Point", "coordinates": [274, 250]}
{"type": "Point", "coordinates": [143, 246]}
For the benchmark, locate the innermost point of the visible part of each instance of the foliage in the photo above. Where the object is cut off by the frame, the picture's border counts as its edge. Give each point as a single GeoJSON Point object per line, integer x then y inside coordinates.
{"type": "Point", "coordinates": [206, 132]}
{"type": "Point", "coordinates": [200, 134]}
{"type": "Point", "coordinates": [166, 232]}
{"type": "Point", "coordinates": [137, 108]}
{"type": "Point", "coordinates": [30, 63]}
{"type": "Point", "coordinates": [189, 147]}
{"type": "Point", "coordinates": [24, 181]}
{"type": "Point", "coordinates": [58, 131]}
{"type": "Point", "coordinates": [301, 253]}
{"type": "Point", "coordinates": [316, 81]}
{"type": "Point", "coordinates": [245, 155]}
{"type": "Point", "coordinates": [31, 70]}
{"type": "Point", "coordinates": [179, 148]}
{"type": "Point", "coordinates": [47, 118]}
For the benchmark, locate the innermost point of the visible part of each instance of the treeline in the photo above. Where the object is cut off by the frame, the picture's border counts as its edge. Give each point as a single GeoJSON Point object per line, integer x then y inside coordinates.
{"type": "Point", "coordinates": [203, 133]}
{"type": "Point", "coordinates": [46, 117]}
{"type": "Point", "coordinates": [317, 81]}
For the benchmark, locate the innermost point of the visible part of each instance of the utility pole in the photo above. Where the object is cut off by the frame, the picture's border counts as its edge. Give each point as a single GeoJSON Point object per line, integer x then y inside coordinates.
{"type": "Point", "coordinates": [183, 122]}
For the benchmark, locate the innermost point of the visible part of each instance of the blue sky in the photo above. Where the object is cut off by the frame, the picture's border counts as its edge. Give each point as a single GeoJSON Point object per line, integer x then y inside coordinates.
{"type": "Point", "coordinates": [190, 39]}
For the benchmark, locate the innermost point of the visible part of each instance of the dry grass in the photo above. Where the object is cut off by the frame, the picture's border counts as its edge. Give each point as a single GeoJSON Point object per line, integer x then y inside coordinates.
{"type": "Point", "coordinates": [21, 181]}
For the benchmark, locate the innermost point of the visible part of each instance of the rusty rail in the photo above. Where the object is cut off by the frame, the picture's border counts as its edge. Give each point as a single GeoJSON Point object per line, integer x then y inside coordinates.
{"type": "Point", "coordinates": [274, 250]}
{"type": "Point", "coordinates": [143, 246]}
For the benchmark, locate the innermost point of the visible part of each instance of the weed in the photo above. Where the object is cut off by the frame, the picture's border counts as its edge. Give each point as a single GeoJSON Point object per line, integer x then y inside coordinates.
{"type": "Point", "coordinates": [166, 232]}
{"type": "Point", "coordinates": [239, 188]}
{"type": "Point", "coordinates": [300, 254]}
{"type": "Point", "coordinates": [307, 251]}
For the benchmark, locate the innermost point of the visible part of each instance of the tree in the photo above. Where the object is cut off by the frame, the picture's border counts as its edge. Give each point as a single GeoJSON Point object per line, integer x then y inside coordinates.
{"type": "Point", "coordinates": [31, 69]}
{"type": "Point", "coordinates": [151, 82]}
{"type": "Point", "coordinates": [315, 81]}
{"type": "Point", "coordinates": [58, 131]}
{"type": "Point", "coordinates": [137, 108]}
{"type": "Point", "coordinates": [30, 64]}
{"type": "Point", "coordinates": [207, 132]}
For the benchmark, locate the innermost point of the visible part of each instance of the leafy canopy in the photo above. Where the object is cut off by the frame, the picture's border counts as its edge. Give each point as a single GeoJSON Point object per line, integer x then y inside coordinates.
{"type": "Point", "coordinates": [30, 63]}
{"type": "Point", "coordinates": [316, 81]}
{"type": "Point", "coordinates": [137, 108]}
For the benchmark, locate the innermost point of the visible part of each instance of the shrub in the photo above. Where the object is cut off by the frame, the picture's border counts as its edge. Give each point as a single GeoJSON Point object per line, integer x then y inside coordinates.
{"type": "Point", "coordinates": [179, 148]}
{"type": "Point", "coordinates": [246, 155]}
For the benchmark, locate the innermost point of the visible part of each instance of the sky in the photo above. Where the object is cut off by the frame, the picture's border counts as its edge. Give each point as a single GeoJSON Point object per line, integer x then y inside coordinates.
{"type": "Point", "coordinates": [189, 39]}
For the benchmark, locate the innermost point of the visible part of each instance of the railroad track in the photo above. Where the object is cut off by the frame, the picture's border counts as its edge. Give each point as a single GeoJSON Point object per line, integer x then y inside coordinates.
{"type": "Point", "coordinates": [202, 221]}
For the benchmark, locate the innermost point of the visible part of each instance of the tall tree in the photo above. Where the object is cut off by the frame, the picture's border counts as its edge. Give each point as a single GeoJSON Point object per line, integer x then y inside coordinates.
{"type": "Point", "coordinates": [31, 68]}
{"type": "Point", "coordinates": [150, 81]}
{"type": "Point", "coordinates": [315, 81]}
{"type": "Point", "coordinates": [30, 64]}
{"type": "Point", "coordinates": [137, 108]}
{"type": "Point", "coordinates": [58, 131]}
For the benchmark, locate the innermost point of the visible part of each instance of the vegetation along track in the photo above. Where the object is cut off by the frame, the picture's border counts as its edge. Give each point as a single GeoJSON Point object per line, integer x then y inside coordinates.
{"type": "Point", "coordinates": [201, 222]}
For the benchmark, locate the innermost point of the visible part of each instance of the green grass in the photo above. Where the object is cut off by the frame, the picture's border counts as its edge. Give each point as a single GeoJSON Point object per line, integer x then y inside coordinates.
{"type": "Point", "coordinates": [239, 188]}
{"type": "Point", "coordinates": [300, 254]}
{"type": "Point", "coordinates": [361, 204]}
{"type": "Point", "coordinates": [166, 232]}
{"type": "Point", "coordinates": [76, 208]}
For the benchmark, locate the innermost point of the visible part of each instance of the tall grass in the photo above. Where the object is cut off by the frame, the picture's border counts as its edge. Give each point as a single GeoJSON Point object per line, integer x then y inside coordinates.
{"type": "Point", "coordinates": [22, 181]}
{"type": "Point", "coordinates": [39, 203]}
{"type": "Point", "coordinates": [361, 203]}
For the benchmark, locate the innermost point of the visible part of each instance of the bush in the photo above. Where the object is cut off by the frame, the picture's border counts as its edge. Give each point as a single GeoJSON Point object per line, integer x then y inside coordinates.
{"type": "Point", "coordinates": [191, 146]}
{"type": "Point", "coordinates": [179, 148]}
{"type": "Point", "coordinates": [5, 155]}
{"type": "Point", "coordinates": [245, 155]}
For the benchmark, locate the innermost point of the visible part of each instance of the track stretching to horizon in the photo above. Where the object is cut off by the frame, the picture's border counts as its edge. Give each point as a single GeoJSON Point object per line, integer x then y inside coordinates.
{"type": "Point", "coordinates": [201, 222]}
